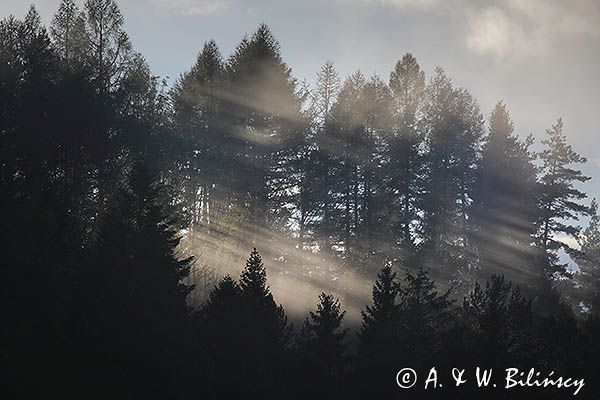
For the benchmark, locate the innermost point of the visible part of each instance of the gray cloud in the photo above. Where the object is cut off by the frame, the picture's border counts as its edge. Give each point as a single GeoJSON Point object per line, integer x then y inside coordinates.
{"type": "Point", "coordinates": [520, 30]}
{"type": "Point", "coordinates": [193, 7]}
{"type": "Point", "coordinates": [513, 30]}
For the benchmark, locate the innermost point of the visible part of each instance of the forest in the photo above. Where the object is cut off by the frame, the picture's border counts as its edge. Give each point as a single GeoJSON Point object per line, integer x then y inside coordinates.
{"type": "Point", "coordinates": [241, 232]}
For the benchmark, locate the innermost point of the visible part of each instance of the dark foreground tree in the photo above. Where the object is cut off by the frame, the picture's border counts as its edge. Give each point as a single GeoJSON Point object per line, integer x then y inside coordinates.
{"type": "Point", "coordinates": [323, 338]}
{"type": "Point", "coordinates": [135, 316]}
{"type": "Point", "coordinates": [422, 318]}
{"type": "Point", "coordinates": [321, 349]}
{"type": "Point", "coordinates": [501, 320]}
{"type": "Point", "coordinates": [377, 333]}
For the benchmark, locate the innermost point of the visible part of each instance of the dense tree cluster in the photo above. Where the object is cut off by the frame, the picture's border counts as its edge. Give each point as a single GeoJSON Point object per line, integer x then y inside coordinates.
{"type": "Point", "coordinates": [103, 170]}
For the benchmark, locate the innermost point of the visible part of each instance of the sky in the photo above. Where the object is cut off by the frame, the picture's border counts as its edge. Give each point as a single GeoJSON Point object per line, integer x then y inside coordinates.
{"type": "Point", "coordinates": [541, 57]}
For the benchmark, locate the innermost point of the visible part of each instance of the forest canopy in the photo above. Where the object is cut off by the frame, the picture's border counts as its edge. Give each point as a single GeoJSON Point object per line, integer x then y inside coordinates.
{"type": "Point", "coordinates": [130, 206]}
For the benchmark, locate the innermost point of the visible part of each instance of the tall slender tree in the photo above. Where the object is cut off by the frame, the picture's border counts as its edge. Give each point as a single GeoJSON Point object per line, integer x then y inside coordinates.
{"type": "Point", "coordinates": [504, 213]}
{"type": "Point", "coordinates": [69, 35]}
{"type": "Point", "coordinates": [454, 127]}
{"type": "Point", "coordinates": [405, 163]}
{"type": "Point", "coordinates": [110, 46]}
{"type": "Point", "coordinates": [588, 280]}
{"type": "Point", "coordinates": [560, 199]}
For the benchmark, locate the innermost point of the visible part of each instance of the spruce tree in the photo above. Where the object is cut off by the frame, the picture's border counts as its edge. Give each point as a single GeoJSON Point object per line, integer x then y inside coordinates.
{"type": "Point", "coordinates": [405, 172]}
{"type": "Point", "coordinates": [220, 327]}
{"type": "Point", "coordinates": [323, 337]}
{"type": "Point", "coordinates": [266, 322]}
{"type": "Point", "coordinates": [502, 321]}
{"type": "Point", "coordinates": [134, 285]}
{"type": "Point", "coordinates": [264, 106]}
{"type": "Point", "coordinates": [504, 212]}
{"type": "Point", "coordinates": [377, 328]}
{"type": "Point", "coordinates": [422, 319]}
{"type": "Point", "coordinates": [454, 127]}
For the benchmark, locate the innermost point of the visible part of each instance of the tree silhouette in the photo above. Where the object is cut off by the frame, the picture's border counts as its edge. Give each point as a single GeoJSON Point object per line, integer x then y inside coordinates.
{"type": "Point", "coordinates": [589, 262]}
{"type": "Point", "coordinates": [422, 318]}
{"type": "Point", "coordinates": [503, 320]}
{"type": "Point", "coordinates": [559, 201]}
{"type": "Point", "coordinates": [377, 334]}
{"type": "Point", "coordinates": [135, 284]}
{"type": "Point", "coordinates": [504, 206]}
{"type": "Point", "coordinates": [110, 45]}
{"type": "Point", "coordinates": [323, 338]}
{"type": "Point", "coordinates": [69, 35]}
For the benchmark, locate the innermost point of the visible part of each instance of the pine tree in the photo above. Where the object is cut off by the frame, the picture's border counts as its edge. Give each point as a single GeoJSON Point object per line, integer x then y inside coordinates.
{"type": "Point", "coordinates": [559, 200]}
{"type": "Point", "coordinates": [588, 260]}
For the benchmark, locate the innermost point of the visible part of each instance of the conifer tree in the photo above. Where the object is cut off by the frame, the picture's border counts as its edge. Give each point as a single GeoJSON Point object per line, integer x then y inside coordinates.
{"type": "Point", "coordinates": [325, 93]}
{"type": "Point", "coordinates": [405, 172]}
{"type": "Point", "coordinates": [559, 200]}
{"type": "Point", "coordinates": [454, 127]}
{"type": "Point", "coordinates": [220, 325]}
{"type": "Point", "coordinates": [207, 149]}
{"type": "Point", "coordinates": [263, 103]}
{"type": "Point", "coordinates": [267, 323]}
{"type": "Point", "coordinates": [588, 260]}
{"type": "Point", "coordinates": [422, 319]}
{"type": "Point", "coordinates": [135, 284]}
{"type": "Point", "coordinates": [323, 337]}
{"type": "Point", "coordinates": [502, 320]}
{"type": "Point", "coordinates": [69, 35]}
{"type": "Point", "coordinates": [377, 329]}
{"type": "Point", "coordinates": [110, 47]}
{"type": "Point", "coordinates": [504, 211]}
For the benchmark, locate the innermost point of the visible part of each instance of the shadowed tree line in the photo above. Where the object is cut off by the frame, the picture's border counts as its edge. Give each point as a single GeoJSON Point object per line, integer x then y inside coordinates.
{"type": "Point", "coordinates": [105, 170]}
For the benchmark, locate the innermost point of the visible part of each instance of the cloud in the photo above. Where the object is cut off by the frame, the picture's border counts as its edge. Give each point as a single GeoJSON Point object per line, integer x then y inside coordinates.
{"type": "Point", "coordinates": [194, 7]}
{"type": "Point", "coordinates": [428, 5]}
{"type": "Point", "coordinates": [405, 3]}
{"type": "Point", "coordinates": [512, 29]}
